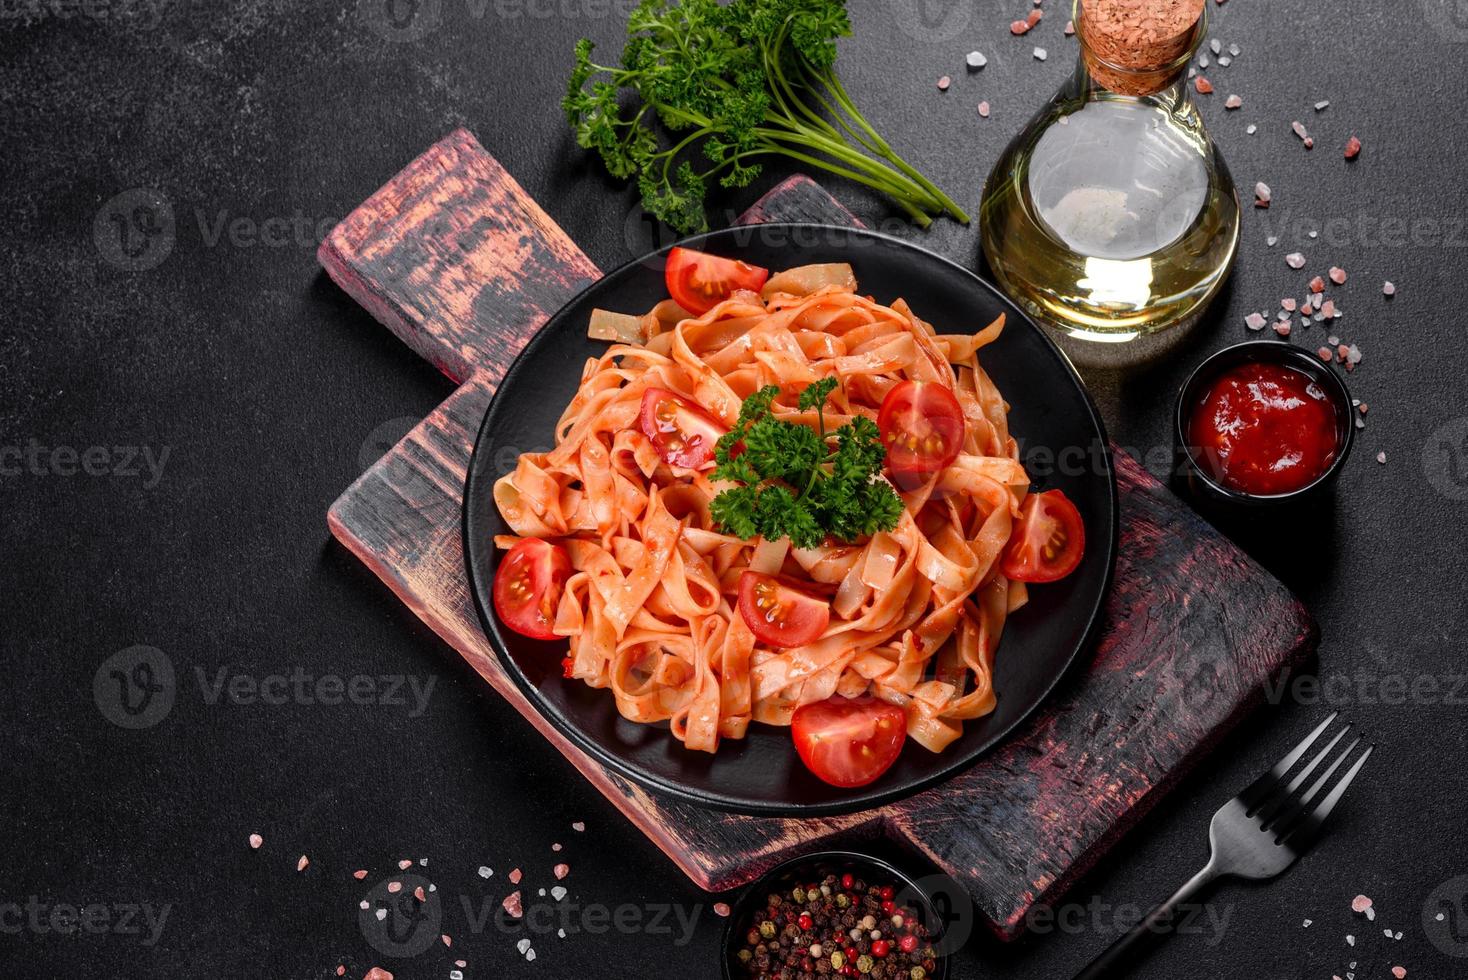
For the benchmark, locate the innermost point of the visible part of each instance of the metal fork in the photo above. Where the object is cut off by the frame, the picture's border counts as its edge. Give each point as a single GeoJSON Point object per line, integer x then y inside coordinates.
{"type": "Point", "coordinates": [1256, 835]}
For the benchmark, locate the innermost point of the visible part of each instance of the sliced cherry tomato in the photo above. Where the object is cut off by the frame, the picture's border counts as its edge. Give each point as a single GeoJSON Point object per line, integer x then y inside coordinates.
{"type": "Point", "coordinates": [848, 742]}
{"type": "Point", "coordinates": [1049, 542]}
{"type": "Point", "coordinates": [682, 432]}
{"type": "Point", "coordinates": [699, 281]}
{"type": "Point", "coordinates": [778, 614]}
{"type": "Point", "coordinates": [922, 427]}
{"type": "Point", "coordinates": [528, 586]}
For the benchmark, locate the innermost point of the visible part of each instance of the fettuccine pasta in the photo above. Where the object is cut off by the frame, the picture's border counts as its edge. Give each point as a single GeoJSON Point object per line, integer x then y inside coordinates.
{"type": "Point", "coordinates": [649, 606]}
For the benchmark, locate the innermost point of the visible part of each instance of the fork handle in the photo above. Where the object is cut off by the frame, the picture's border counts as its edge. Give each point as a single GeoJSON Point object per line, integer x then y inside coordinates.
{"type": "Point", "coordinates": [1124, 950]}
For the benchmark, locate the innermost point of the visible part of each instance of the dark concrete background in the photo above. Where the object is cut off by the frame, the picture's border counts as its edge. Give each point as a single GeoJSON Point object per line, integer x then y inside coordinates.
{"type": "Point", "coordinates": [220, 345]}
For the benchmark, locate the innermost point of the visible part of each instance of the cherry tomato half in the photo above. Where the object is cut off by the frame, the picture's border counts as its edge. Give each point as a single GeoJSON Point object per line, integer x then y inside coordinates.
{"type": "Point", "coordinates": [922, 427]}
{"type": "Point", "coordinates": [780, 615]}
{"type": "Point", "coordinates": [528, 586]}
{"type": "Point", "coordinates": [682, 432]}
{"type": "Point", "coordinates": [699, 281]}
{"type": "Point", "coordinates": [848, 742]}
{"type": "Point", "coordinates": [1049, 542]}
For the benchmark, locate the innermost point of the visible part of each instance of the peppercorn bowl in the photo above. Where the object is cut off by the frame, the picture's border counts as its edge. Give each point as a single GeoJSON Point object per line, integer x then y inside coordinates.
{"type": "Point", "coordinates": [912, 938]}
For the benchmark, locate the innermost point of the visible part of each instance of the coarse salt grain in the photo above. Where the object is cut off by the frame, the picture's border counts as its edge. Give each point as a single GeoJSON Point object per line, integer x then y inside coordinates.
{"type": "Point", "coordinates": [381, 914]}
{"type": "Point", "coordinates": [446, 939]}
{"type": "Point", "coordinates": [976, 60]}
{"type": "Point", "coordinates": [359, 874]}
{"type": "Point", "coordinates": [1321, 105]}
{"type": "Point", "coordinates": [1216, 46]}
{"type": "Point", "coordinates": [1306, 923]}
{"type": "Point", "coordinates": [1070, 28]}
{"type": "Point", "coordinates": [1019, 27]}
{"type": "Point", "coordinates": [556, 847]}
{"type": "Point", "coordinates": [1034, 17]}
{"type": "Point", "coordinates": [1203, 85]}
{"type": "Point", "coordinates": [484, 871]}
{"type": "Point", "coordinates": [1338, 275]}
{"type": "Point", "coordinates": [578, 826]}
{"type": "Point", "coordinates": [405, 864]}
{"type": "Point", "coordinates": [1324, 354]}
{"type": "Point", "coordinates": [1381, 458]}
{"type": "Point", "coordinates": [522, 946]}
{"type": "Point", "coordinates": [1399, 972]}
{"type": "Point", "coordinates": [1283, 329]}
{"type": "Point", "coordinates": [1224, 61]}
{"type": "Point", "coordinates": [1360, 903]}
{"type": "Point", "coordinates": [558, 892]}
{"type": "Point", "coordinates": [1262, 195]}
{"type": "Point", "coordinates": [1232, 102]}
{"type": "Point", "coordinates": [1254, 321]}
{"type": "Point", "coordinates": [984, 110]}
{"type": "Point", "coordinates": [301, 864]}
{"type": "Point", "coordinates": [561, 870]}
{"type": "Point", "coordinates": [256, 840]}
{"type": "Point", "coordinates": [419, 894]}
{"type": "Point", "coordinates": [1251, 129]}
{"type": "Point", "coordinates": [1388, 289]}
{"type": "Point", "coordinates": [721, 909]}
{"type": "Point", "coordinates": [1350, 940]}
{"type": "Point", "coordinates": [1295, 260]}
{"type": "Point", "coordinates": [1317, 285]}
{"type": "Point", "coordinates": [377, 973]}
{"type": "Point", "coordinates": [512, 904]}
{"type": "Point", "coordinates": [943, 83]}
{"type": "Point", "coordinates": [515, 876]}
{"type": "Point", "coordinates": [1041, 54]}
{"type": "Point", "coordinates": [1353, 148]}
{"type": "Point", "coordinates": [393, 887]}
{"type": "Point", "coordinates": [341, 970]}
{"type": "Point", "coordinates": [1299, 129]}
{"type": "Point", "coordinates": [1288, 303]}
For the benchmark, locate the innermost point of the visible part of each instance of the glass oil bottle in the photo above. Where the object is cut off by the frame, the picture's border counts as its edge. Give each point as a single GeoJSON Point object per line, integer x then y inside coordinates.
{"type": "Point", "coordinates": [1112, 216]}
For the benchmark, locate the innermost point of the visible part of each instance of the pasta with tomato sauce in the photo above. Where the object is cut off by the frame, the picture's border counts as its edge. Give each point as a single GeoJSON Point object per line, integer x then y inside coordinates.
{"type": "Point", "coordinates": [682, 620]}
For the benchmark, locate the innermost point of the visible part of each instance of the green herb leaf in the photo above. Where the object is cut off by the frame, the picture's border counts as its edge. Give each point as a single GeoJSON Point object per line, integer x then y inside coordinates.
{"type": "Point", "coordinates": [789, 480]}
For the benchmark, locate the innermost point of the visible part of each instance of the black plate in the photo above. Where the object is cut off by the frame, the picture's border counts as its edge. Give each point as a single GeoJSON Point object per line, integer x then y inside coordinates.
{"type": "Point", "coordinates": [1062, 440]}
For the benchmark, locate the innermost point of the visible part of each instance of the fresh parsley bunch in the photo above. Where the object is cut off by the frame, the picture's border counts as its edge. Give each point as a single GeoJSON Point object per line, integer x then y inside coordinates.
{"type": "Point", "coordinates": [747, 78]}
{"type": "Point", "coordinates": [792, 483]}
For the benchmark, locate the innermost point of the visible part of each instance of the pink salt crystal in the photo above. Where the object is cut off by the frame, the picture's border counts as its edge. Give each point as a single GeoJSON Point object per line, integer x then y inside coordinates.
{"type": "Point", "coordinates": [461, 963]}
{"type": "Point", "coordinates": [359, 875]}
{"type": "Point", "coordinates": [721, 909]}
{"type": "Point", "coordinates": [1388, 289]}
{"type": "Point", "coordinates": [1324, 354]}
{"type": "Point", "coordinates": [1381, 458]}
{"type": "Point", "coordinates": [1328, 308]}
{"type": "Point", "coordinates": [561, 870]}
{"type": "Point", "coordinates": [1262, 195]}
{"type": "Point", "coordinates": [301, 864]}
{"type": "Point", "coordinates": [1362, 408]}
{"type": "Point", "coordinates": [1034, 17]}
{"type": "Point", "coordinates": [943, 83]}
{"type": "Point", "coordinates": [1203, 85]}
{"type": "Point", "coordinates": [1254, 321]}
{"type": "Point", "coordinates": [1070, 28]}
{"type": "Point", "coordinates": [1295, 260]}
{"type": "Point", "coordinates": [1317, 285]}
{"type": "Point", "coordinates": [1360, 903]}
{"type": "Point", "coordinates": [393, 887]}
{"type": "Point", "coordinates": [256, 840]}
{"type": "Point", "coordinates": [984, 110]}
{"type": "Point", "coordinates": [419, 894]}
{"type": "Point", "coordinates": [1337, 275]}
{"type": "Point", "coordinates": [556, 847]}
{"type": "Point", "coordinates": [1288, 303]}
{"type": "Point", "coordinates": [1283, 329]}
{"type": "Point", "coordinates": [447, 939]}
{"type": "Point", "coordinates": [404, 864]}
{"type": "Point", "coordinates": [1299, 129]}
{"type": "Point", "coordinates": [1353, 148]}
{"type": "Point", "coordinates": [512, 905]}
{"type": "Point", "coordinates": [1232, 102]}
{"type": "Point", "coordinates": [1307, 309]}
{"type": "Point", "coordinates": [1019, 27]}
{"type": "Point", "coordinates": [515, 876]}
{"type": "Point", "coordinates": [1309, 142]}
{"type": "Point", "coordinates": [578, 826]}
{"type": "Point", "coordinates": [377, 973]}
{"type": "Point", "coordinates": [341, 970]}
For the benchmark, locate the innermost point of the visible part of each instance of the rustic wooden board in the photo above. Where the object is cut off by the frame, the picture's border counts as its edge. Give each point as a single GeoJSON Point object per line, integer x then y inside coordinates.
{"type": "Point", "coordinates": [454, 257]}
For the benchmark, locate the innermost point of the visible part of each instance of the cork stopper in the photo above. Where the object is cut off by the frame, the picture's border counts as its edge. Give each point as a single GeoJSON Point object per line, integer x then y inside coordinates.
{"type": "Point", "coordinates": [1137, 47]}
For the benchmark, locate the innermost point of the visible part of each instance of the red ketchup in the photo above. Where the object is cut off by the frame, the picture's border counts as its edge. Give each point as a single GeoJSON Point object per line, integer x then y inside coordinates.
{"type": "Point", "coordinates": [1264, 429]}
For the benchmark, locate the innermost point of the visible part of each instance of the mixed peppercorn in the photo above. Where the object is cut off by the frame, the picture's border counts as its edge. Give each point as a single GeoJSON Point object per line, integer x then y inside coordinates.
{"type": "Point", "coordinates": [842, 927]}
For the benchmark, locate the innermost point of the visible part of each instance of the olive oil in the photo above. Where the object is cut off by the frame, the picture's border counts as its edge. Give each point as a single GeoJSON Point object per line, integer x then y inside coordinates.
{"type": "Point", "coordinates": [1112, 216]}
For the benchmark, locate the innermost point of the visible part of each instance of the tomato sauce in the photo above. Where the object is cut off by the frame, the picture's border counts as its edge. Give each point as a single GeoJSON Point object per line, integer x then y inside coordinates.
{"type": "Point", "coordinates": [1264, 429]}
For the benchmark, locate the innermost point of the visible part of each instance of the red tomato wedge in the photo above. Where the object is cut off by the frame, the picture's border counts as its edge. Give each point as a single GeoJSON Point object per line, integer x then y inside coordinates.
{"type": "Point", "coordinates": [1049, 542]}
{"type": "Point", "coordinates": [922, 427]}
{"type": "Point", "coordinates": [682, 432]}
{"type": "Point", "coordinates": [849, 742]}
{"type": "Point", "coordinates": [780, 615]}
{"type": "Point", "coordinates": [699, 281]}
{"type": "Point", "coordinates": [528, 586]}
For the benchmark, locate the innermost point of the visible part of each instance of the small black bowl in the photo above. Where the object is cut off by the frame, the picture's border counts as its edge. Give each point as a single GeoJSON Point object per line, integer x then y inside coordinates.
{"type": "Point", "coordinates": [815, 867]}
{"type": "Point", "coordinates": [1197, 477]}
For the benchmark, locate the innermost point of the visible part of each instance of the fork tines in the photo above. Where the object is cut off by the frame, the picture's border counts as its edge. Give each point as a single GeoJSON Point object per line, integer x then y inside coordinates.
{"type": "Point", "coordinates": [1281, 806]}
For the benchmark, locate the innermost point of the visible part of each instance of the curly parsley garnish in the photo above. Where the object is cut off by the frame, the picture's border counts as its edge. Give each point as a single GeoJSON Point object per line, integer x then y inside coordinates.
{"type": "Point", "coordinates": [732, 83]}
{"type": "Point", "coordinates": [793, 483]}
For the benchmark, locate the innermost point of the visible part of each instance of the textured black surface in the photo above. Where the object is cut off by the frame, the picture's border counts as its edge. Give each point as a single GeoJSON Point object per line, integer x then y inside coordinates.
{"type": "Point", "coordinates": [261, 124]}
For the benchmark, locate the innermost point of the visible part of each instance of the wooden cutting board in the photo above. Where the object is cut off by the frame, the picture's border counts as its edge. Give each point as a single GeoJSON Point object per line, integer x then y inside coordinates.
{"type": "Point", "coordinates": [455, 258]}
